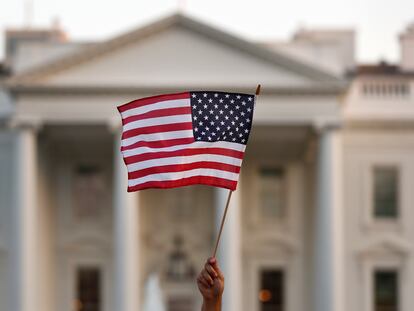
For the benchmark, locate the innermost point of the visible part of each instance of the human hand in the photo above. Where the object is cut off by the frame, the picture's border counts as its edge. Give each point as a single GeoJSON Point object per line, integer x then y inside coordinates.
{"type": "Point", "coordinates": [210, 282]}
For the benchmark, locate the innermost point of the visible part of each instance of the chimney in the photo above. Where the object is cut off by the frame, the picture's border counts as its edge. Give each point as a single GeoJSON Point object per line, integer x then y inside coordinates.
{"type": "Point", "coordinates": [18, 37]}
{"type": "Point", "coordinates": [407, 49]}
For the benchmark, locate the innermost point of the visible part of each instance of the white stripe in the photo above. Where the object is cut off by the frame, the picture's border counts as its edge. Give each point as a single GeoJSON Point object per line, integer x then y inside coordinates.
{"type": "Point", "coordinates": [183, 118]}
{"type": "Point", "coordinates": [157, 136]}
{"type": "Point", "coordinates": [184, 160]}
{"type": "Point", "coordinates": [184, 174]}
{"type": "Point", "coordinates": [194, 145]}
{"type": "Point", "coordinates": [158, 105]}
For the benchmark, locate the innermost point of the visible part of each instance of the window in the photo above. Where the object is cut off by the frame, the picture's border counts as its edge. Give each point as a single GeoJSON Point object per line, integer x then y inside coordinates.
{"type": "Point", "coordinates": [89, 192]}
{"type": "Point", "coordinates": [271, 292]}
{"type": "Point", "coordinates": [88, 289]}
{"type": "Point", "coordinates": [385, 290]}
{"type": "Point", "coordinates": [181, 201]}
{"type": "Point", "coordinates": [386, 192]}
{"type": "Point", "coordinates": [272, 193]}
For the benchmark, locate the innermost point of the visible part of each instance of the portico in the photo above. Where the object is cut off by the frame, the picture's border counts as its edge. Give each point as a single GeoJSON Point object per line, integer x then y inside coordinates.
{"type": "Point", "coordinates": [66, 135]}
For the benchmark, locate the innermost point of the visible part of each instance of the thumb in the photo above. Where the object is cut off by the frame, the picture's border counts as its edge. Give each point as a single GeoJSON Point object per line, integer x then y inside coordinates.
{"type": "Point", "coordinates": [214, 263]}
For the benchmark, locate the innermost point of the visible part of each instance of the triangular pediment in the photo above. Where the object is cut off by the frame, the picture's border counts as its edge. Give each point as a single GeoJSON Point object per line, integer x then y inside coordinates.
{"type": "Point", "coordinates": [176, 52]}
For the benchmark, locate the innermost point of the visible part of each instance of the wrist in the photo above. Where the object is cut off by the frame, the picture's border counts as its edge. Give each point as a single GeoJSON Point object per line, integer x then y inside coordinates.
{"type": "Point", "coordinates": [212, 303]}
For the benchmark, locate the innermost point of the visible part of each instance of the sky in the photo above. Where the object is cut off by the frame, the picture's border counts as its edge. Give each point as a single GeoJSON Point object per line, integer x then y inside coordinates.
{"type": "Point", "coordinates": [377, 22]}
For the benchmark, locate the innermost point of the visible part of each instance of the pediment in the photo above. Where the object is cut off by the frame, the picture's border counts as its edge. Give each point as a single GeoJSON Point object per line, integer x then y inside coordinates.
{"type": "Point", "coordinates": [385, 245]}
{"type": "Point", "coordinates": [176, 52]}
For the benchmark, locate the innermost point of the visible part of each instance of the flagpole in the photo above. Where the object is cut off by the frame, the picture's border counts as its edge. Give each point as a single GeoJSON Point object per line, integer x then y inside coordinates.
{"type": "Point", "coordinates": [228, 202]}
{"type": "Point", "coordinates": [222, 223]}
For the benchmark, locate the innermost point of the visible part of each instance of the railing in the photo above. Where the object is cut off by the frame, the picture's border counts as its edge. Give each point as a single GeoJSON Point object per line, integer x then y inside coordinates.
{"type": "Point", "coordinates": [386, 89]}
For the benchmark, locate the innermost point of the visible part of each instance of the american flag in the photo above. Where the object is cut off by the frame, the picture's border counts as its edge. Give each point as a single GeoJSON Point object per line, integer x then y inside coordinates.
{"type": "Point", "coordinates": [186, 138]}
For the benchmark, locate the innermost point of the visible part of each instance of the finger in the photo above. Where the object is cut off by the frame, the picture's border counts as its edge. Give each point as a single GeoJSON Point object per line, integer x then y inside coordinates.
{"type": "Point", "coordinates": [202, 282]}
{"type": "Point", "coordinates": [207, 277]}
{"type": "Point", "coordinates": [213, 262]}
{"type": "Point", "coordinates": [211, 271]}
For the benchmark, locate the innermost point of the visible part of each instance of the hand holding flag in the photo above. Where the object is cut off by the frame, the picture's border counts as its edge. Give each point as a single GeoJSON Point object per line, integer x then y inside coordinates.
{"type": "Point", "coordinates": [210, 283]}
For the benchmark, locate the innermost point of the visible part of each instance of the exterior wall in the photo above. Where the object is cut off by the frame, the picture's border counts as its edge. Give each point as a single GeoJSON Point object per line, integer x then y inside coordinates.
{"type": "Point", "coordinates": [370, 243]}
{"type": "Point", "coordinates": [283, 242]}
{"type": "Point", "coordinates": [187, 213]}
{"type": "Point", "coordinates": [375, 99]}
{"type": "Point", "coordinates": [276, 243]}
{"type": "Point", "coordinates": [46, 230]}
{"type": "Point", "coordinates": [81, 239]}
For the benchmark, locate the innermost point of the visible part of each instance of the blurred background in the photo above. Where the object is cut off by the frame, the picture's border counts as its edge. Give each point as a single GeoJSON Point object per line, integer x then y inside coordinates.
{"type": "Point", "coordinates": [323, 216]}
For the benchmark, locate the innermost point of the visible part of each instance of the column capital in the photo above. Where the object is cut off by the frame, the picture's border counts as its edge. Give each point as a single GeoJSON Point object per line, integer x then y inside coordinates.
{"type": "Point", "coordinates": [114, 125]}
{"type": "Point", "coordinates": [34, 124]}
{"type": "Point", "coordinates": [323, 125]}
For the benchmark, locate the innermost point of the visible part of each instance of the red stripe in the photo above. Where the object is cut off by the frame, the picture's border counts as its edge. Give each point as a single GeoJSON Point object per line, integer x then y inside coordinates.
{"type": "Point", "coordinates": [158, 129]}
{"type": "Point", "coordinates": [158, 113]}
{"type": "Point", "coordinates": [151, 100]}
{"type": "Point", "coordinates": [205, 180]}
{"type": "Point", "coordinates": [184, 167]}
{"type": "Point", "coordinates": [160, 143]}
{"type": "Point", "coordinates": [183, 152]}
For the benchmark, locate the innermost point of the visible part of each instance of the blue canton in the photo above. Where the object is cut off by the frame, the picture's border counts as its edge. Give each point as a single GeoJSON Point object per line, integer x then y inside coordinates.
{"type": "Point", "coordinates": [220, 116]}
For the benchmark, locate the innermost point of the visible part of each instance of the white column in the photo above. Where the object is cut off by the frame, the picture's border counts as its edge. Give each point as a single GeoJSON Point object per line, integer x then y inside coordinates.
{"type": "Point", "coordinates": [229, 251]}
{"type": "Point", "coordinates": [328, 272]}
{"type": "Point", "coordinates": [126, 221]}
{"type": "Point", "coordinates": [23, 279]}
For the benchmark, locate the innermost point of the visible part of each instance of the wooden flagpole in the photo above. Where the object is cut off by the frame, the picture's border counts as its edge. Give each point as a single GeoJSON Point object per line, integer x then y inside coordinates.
{"type": "Point", "coordinates": [222, 223]}
{"type": "Point", "coordinates": [227, 203]}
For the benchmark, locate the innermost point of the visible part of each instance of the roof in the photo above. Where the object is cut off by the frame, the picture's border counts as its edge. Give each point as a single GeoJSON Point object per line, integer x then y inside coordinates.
{"type": "Point", "coordinates": [381, 69]}
{"type": "Point", "coordinates": [316, 74]}
{"type": "Point", "coordinates": [37, 33]}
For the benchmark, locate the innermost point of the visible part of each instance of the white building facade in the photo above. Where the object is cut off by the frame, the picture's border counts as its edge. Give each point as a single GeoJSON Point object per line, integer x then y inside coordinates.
{"type": "Point", "coordinates": [322, 216]}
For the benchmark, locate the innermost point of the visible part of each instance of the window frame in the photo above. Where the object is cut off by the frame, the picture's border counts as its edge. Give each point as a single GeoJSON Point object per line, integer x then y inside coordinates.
{"type": "Point", "coordinates": [373, 193]}
{"type": "Point", "coordinates": [374, 285]}
{"type": "Point", "coordinates": [285, 264]}
{"type": "Point", "coordinates": [381, 261]}
{"type": "Point", "coordinates": [69, 290]}
{"type": "Point", "coordinates": [100, 283]}
{"type": "Point", "coordinates": [256, 219]}
{"type": "Point", "coordinates": [284, 182]}
{"type": "Point", "coordinates": [369, 221]}
{"type": "Point", "coordinates": [283, 279]}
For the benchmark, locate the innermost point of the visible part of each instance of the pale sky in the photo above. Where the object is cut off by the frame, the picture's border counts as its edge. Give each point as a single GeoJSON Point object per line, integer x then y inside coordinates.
{"type": "Point", "coordinates": [377, 22]}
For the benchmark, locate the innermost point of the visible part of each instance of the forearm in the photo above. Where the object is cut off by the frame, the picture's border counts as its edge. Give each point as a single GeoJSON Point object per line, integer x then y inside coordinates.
{"type": "Point", "coordinates": [209, 305]}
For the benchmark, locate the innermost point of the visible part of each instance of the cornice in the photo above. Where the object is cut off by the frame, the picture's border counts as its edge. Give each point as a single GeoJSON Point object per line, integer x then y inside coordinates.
{"type": "Point", "coordinates": [318, 89]}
